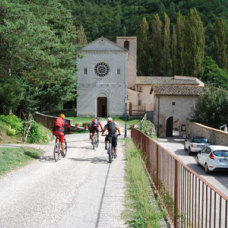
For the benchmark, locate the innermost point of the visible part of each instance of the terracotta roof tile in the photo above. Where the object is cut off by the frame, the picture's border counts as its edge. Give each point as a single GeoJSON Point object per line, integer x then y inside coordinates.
{"type": "Point", "coordinates": [163, 80]}
{"type": "Point", "coordinates": [177, 90]}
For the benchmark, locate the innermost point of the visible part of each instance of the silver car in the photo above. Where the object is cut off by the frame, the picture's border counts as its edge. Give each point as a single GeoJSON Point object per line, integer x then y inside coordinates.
{"type": "Point", "coordinates": [195, 144]}
{"type": "Point", "coordinates": [213, 158]}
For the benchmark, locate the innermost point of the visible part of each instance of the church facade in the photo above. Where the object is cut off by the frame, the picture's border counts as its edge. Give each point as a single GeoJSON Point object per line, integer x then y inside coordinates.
{"type": "Point", "coordinates": [103, 77]}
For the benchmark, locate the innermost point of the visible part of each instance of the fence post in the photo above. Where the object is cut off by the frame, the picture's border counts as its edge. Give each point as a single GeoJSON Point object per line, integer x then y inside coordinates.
{"type": "Point", "coordinates": [176, 195]}
{"type": "Point", "coordinates": [157, 166]}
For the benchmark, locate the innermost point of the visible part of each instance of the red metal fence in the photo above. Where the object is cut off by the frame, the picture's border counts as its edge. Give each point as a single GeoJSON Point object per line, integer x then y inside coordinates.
{"type": "Point", "coordinates": [190, 200]}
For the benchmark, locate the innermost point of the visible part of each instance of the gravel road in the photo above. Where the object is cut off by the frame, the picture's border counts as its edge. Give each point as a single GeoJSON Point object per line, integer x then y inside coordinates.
{"type": "Point", "coordinates": [82, 190]}
{"type": "Point", "coordinates": [176, 146]}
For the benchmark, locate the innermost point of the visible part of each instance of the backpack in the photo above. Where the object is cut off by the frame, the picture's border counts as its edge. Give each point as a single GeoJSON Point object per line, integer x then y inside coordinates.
{"type": "Point", "coordinates": [95, 124]}
{"type": "Point", "coordinates": [111, 128]}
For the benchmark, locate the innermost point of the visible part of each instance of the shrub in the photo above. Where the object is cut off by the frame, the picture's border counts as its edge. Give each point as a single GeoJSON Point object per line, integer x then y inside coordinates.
{"type": "Point", "coordinates": [10, 131]}
{"type": "Point", "coordinates": [13, 121]}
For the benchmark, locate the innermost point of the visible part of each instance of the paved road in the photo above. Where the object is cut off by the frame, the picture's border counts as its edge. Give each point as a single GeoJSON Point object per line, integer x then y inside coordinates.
{"type": "Point", "coordinates": [176, 146]}
{"type": "Point", "coordinates": [81, 190]}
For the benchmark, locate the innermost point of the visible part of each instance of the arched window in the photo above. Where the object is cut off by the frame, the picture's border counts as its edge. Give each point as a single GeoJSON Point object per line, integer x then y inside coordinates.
{"type": "Point", "coordinates": [126, 45]}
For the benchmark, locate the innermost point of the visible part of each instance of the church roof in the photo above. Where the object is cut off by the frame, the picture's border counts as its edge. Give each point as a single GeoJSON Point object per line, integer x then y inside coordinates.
{"type": "Point", "coordinates": [172, 80]}
{"type": "Point", "coordinates": [178, 90]}
{"type": "Point", "coordinates": [103, 44]}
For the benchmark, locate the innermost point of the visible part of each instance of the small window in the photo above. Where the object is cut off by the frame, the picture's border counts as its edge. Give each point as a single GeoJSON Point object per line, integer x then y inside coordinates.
{"type": "Point", "coordinates": [139, 102]}
{"type": "Point", "coordinates": [118, 71]}
{"type": "Point", "coordinates": [85, 70]}
{"type": "Point", "coordinates": [140, 89]}
{"type": "Point", "coordinates": [126, 45]}
{"type": "Point", "coordinates": [173, 103]}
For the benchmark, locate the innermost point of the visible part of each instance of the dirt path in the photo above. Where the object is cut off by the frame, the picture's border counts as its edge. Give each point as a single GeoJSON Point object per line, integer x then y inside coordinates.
{"type": "Point", "coordinates": [81, 190]}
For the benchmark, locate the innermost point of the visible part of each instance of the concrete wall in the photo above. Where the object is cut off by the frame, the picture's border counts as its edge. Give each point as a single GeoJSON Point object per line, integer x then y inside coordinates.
{"type": "Point", "coordinates": [145, 97]}
{"type": "Point", "coordinates": [47, 120]}
{"type": "Point", "coordinates": [214, 136]}
{"type": "Point", "coordinates": [165, 109]}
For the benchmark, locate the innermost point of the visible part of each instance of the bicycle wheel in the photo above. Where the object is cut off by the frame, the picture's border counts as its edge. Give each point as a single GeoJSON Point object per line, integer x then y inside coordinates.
{"type": "Point", "coordinates": [56, 151]}
{"type": "Point", "coordinates": [65, 148]}
{"type": "Point", "coordinates": [110, 153]}
{"type": "Point", "coordinates": [96, 141]}
{"type": "Point", "coordinates": [93, 143]}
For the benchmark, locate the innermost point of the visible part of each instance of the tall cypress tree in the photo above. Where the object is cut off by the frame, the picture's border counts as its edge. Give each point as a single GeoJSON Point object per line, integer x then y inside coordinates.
{"type": "Point", "coordinates": [143, 47]}
{"type": "Point", "coordinates": [156, 42]}
{"type": "Point", "coordinates": [180, 31]}
{"type": "Point", "coordinates": [219, 46]}
{"type": "Point", "coordinates": [166, 47]}
{"type": "Point", "coordinates": [174, 51]}
{"type": "Point", "coordinates": [81, 37]}
{"type": "Point", "coordinates": [194, 44]}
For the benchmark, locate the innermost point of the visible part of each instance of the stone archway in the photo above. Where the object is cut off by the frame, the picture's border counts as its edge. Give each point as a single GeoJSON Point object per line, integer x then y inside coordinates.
{"type": "Point", "coordinates": [172, 126]}
{"type": "Point", "coordinates": [102, 105]}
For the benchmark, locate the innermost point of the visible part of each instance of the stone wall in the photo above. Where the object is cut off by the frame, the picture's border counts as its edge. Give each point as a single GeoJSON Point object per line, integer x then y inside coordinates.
{"type": "Point", "coordinates": [214, 136]}
{"type": "Point", "coordinates": [47, 120]}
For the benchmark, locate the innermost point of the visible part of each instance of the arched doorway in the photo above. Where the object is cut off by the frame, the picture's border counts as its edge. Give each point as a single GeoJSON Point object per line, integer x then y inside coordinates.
{"type": "Point", "coordinates": [172, 127]}
{"type": "Point", "coordinates": [102, 105]}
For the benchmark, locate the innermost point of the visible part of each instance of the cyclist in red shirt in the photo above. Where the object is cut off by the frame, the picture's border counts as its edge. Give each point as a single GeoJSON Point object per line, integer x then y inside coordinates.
{"type": "Point", "coordinates": [58, 130]}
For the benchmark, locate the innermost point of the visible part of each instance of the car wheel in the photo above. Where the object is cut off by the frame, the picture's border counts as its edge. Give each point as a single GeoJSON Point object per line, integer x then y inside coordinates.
{"type": "Point", "coordinates": [189, 151]}
{"type": "Point", "coordinates": [197, 161]}
{"type": "Point", "coordinates": [207, 171]}
{"type": "Point", "coordinates": [185, 147]}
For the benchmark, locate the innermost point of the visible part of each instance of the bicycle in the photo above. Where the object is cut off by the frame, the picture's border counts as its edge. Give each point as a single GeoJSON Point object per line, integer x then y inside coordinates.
{"type": "Point", "coordinates": [95, 142]}
{"type": "Point", "coordinates": [58, 150]}
{"type": "Point", "coordinates": [110, 149]}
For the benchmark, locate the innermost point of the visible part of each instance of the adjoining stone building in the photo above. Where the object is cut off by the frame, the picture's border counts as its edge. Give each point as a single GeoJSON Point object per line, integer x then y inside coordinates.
{"type": "Point", "coordinates": [107, 79]}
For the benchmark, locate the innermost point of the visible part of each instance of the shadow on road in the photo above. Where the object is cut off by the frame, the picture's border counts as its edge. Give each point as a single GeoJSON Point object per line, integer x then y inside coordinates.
{"type": "Point", "coordinates": [181, 152]}
{"type": "Point", "coordinates": [46, 159]}
{"type": "Point", "coordinates": [81, 147]}
{"type": "Point", "coordinates": [94, 160]}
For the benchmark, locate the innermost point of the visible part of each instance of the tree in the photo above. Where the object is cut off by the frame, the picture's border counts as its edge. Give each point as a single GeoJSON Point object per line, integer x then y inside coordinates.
{"type": "Point", "coordinates": [81, 37]}
{"type": "Point", "coordinates": [37, 42]}
{"type": "Point", "coordinates": [214, 75]}
{"type": "Point", "coordinates": [143, 47]}
{"type": "Point", "coordinates": [156, 44]}
{"type": "Point", "coordinates": [174, 51]}
{"type": "Point", "coordinates": [180, 32]}
{"type": "Point", "coordinates": [166, 47]}
{"type": "Point", "coordinates": [220, 46]}
{"type": "Point", "coordinates": [194, 44]}
{"type": "Point", "coordinates": [212, 108]}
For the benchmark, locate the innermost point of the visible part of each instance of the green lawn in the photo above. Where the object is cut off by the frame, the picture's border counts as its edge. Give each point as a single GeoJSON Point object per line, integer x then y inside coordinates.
{"type": "Point", "coordinates": [12, 158]}
{"type": "Point", "coordinates": [119, 120]}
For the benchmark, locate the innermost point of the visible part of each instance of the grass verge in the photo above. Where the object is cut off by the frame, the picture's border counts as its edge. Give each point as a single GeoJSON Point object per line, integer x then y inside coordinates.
{"type": "Point", "coordinates": [140, 210]}
{"type": "Point", "coordinates": [12, 158]}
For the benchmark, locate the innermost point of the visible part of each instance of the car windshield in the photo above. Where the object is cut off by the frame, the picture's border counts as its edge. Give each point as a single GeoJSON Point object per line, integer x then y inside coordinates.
{"type": "Point", "coordinates": [221, 153]}
{"type": "Point", "coordinates": [201, 140]}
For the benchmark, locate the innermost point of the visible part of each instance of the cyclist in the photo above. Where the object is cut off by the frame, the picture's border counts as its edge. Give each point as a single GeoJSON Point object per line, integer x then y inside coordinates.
{"type": "Point", "coordinates": [94, 127]}
{"type": "Point", "coordinates": [111, 127]}
{"type": "Point", "coordinates": [58, 130]}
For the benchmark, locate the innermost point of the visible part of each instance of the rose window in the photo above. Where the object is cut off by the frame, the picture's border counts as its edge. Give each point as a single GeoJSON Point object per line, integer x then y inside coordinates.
{"type": "Point", "coordinates": [101, 69]}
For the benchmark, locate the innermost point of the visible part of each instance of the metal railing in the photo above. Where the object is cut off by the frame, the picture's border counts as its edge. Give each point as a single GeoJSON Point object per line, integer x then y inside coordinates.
{"type": "Point", "coordinates": [189, 199]}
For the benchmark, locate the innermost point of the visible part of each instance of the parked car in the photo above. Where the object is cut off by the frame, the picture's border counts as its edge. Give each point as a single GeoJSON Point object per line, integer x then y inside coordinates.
{"type": "Point", "coordinates": [195, 144]}
{"type": "Point", "coordinates": [213, 158]}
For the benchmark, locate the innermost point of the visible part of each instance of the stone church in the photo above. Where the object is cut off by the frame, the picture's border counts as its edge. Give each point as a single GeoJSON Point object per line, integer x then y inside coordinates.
{"type": "Point", "coordinates": [108, 85]}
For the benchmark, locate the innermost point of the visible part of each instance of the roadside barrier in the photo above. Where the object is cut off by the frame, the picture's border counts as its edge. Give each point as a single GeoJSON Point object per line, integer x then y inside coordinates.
{"type": "Point", "coordinates": [189, 199]}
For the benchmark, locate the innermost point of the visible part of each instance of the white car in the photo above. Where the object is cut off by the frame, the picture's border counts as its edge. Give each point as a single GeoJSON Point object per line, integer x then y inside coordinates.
{"type": "Point", "coordinates": [195, 144]}
{"type": "Point", "coordinates": [213, 157]}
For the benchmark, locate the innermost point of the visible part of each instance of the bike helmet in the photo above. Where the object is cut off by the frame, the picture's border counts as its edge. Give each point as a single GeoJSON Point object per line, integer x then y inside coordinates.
{"type": "Point", "coordinates": [62, 116]}
{"type": "Point", "coordinates": [94, 120]}
{"type": "Point", "coordinates": [109, 119]}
